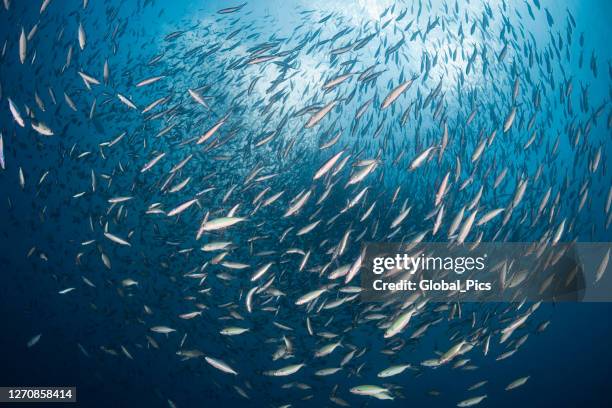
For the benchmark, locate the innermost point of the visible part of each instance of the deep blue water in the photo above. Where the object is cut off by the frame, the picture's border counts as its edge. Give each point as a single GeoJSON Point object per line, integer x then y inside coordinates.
{"type": "Point", "coordinates": [568, 364]}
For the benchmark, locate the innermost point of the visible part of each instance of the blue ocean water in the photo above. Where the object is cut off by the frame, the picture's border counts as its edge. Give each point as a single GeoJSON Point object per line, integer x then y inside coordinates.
{"type": "Point", "coordinates": [568, 363]}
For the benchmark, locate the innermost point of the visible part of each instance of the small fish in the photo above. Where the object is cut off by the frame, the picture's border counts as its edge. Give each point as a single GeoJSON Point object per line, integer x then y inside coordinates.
{"type": "Point", "coordinates": [126, 101]}
{"type": "Point", "coordinates": [471, 401]}
{"type": "Point", "coordinates": [44, 5]}
{"type": "Point", "coordinates": [64, 291]}
{"type": "Point", "coordinates": [220, 365]}
{"type": "Point", "coordinates": [82, 37]}
{"type": "Point", "coordinates": [211, 131]}
{"type": "Point", "coordinates": [221, 223]}
{"type": "Point", "coordinates": [327, 166]}
{"type": "Point", "coordinates": [420, 159]}
{"type": "Point", "coordinates": [285, 371]}
{"type": "Point", "coordinates": [32, 342]}
{"type": "Point", "coordinates": [23, 46]}
{"type": "Point", "coordinates": [369, 390]}
{"type": "Point", "coordinates": [229, 10]}
{"type": "Point", "coordinates": [198, 98]}
{"type": "Point", "coordinates": [310, 296]}
{"type": "Point", "coordinates": [233, 331]}
{"type": "Point", "coordinates": [602, 266]}
{"type": "Point", "coordinates": [399, 324]}
{"type": "Point", "coordinates": [395, 93]}
{"type": "Point", "coordinates": [42, 129]}
{"type": "Point", "coordinates": [162, 329]}
{"type": "Point", "coordinates": [509, 119]}
{"type": "Point", "coordinates": [2, 162]}
{"type": "Point", "coordinates": [320, 114]}
{"type": "Point", "coordinates": [116, 239]}
{"type": "Point", "coordinates": [149, 81]}
{"type": "Point", "coordinates": [517, 383]}
{"type": "Point", "coordinates": [15, 113]}
{"type": "Point", "coordinates": [393, 370]}
{"type": "Point", "coordinates": [182, 207]}
{"type": "Point", "coordinates": [152, 163]}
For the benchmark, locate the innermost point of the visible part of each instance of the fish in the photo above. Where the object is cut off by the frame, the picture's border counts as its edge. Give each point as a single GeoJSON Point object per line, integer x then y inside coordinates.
{"type": "Point", "coordinates": [517, 383]}
{"type": "Point", "coordinates": [23, 46]}
{"type": "Point", "coordinates": [233, 331]}
{"type": "Point", "coordinates": [285, 371]}
{"type": "Point", "coordinates": [217, 183]}
{"type": "Point", "coordinates": [327, 371]}
{"type": "Point", "coordinates": [88, 79]}
{"type": "Point", "coordinates": [220, 365]}
{"type": "Point", "coordinates": [601, 269]}
{"type": "Point", "coordinates": [34, 340]}
{"type": "Point", "coordinates": [233, 9]}
{"type": "Point", "coordinates": [126, 101]}
{"type": "Point", "coordinates": [42, 129]}
{"type": "Point", "coordinates": [216, 246]}
{"type": "Point", "coordinates": [67, 290]}
{"type": "Point", "coordinates": [369, 390]}
{"type": "Point", "coordinates": [310, 296]}
{"type": "Point", "coordinates": [162, 329]}
{"type": "Point", "coordinates": [472, 401]}
{"type": "Point", "coordinates": [153, 162]}
{"type": "Point", "coordinates": [261, 272]}
{"type": "Point", "coordinates": [129, 282]}
{"type": "Point", "coordinates": [420, 159]}
{"type": "Point", "coordinates": [399, 324]}
{"type": "Point", "coordinates": [395, 94]}
{"type": "Point", "coordinates": [298, 204]}
{"type": "Point", "coordinates": [327, 166]}
{"type": "Point", "coordinates": [197, 97]}
{"type": "Point", "coordinates": [509, 119]}
{"type": "Point", "coordinates": [320, 114]}
{"type": "Point", "coordinates": [149, 81]}
{"type": "Point", "coordinates": [190, 315]}
{"type": "Point", "coordinates": [184, 206]}
{"type": "Point", "coordinates": [332, 83]}
{"type": "Point", "coordinates": [116, 239]}
{"type": "Point", "coordinates": [82, 37]}
{"type": "Point", "coordinates": [442, 190]}
{"type": "Point", "coordinates": [44, 5]}
{"type": "Point", "coordinates": [211, 131]}
{"type": "Point", "coordinates": [221, 223]}
{"type": "Point", "coordinates": [327, 349]}
{"type": "Point", "coordinates": [393, 370]}
{"type": "Point", "coordinates": [15, 113]}
{"type": "Point", "coordinates": [2, 162]}
{"type": "Point", "coordinates": [489, 216]}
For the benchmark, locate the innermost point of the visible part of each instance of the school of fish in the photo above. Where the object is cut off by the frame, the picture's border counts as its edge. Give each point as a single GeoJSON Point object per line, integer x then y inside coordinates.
{"type": "Point", "coordinates": [224, 187]}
